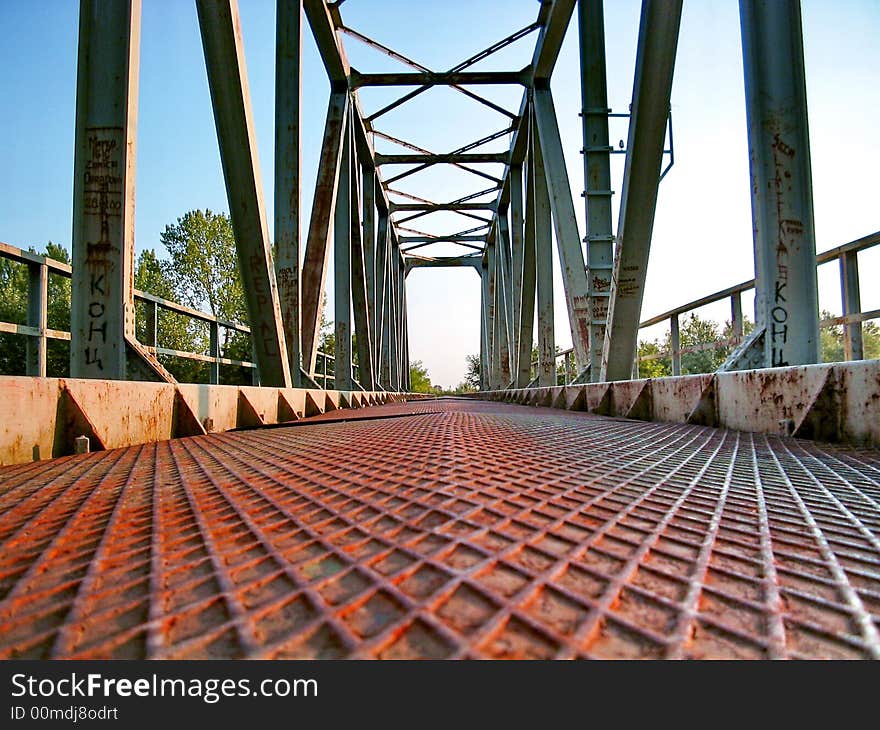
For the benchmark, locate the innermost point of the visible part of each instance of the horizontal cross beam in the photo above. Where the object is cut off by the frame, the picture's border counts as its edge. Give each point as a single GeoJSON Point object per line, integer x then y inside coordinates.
{"type": "Point", "coordinates": [452, 158]}
{"type": "Point", "coordinates": [449, 78]}
{"type": "Point", "coordinates": [439, 239]}
{"type": "Point", "coordinates": [435, 207]}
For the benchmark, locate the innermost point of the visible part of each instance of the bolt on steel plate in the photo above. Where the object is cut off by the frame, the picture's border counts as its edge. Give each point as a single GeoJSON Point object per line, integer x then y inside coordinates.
{"type": "Point", "coordinates": [454, 529]}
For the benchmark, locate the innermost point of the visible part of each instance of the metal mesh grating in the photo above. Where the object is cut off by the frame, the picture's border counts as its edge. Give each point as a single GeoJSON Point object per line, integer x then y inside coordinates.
{"type": "Point", "coordinates": [464, 530]}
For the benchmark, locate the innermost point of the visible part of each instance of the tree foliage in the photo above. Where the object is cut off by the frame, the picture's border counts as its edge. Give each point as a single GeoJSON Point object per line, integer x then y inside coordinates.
{"type": "Point", "coordinates": [204, 270]}
{"type": "Point", "coordinates": [420, 381]}
{"type": "Point", "coordinates": [694, 331]}
{"type": "Point", "coordinates": [13, 308]}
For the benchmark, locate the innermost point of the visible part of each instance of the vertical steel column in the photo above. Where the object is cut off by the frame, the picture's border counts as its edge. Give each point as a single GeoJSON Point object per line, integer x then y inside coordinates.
{"type": "Point", "coordinates": [360, 298]}
{"type": "Point", "coordinates": [230, 96]}
{"type": "Point", "coordinates": [494, 334]}
{"type": "Point", "coordinates": [214, 352]}
{"type": "Point", "coordinates": [37, 300]}
{"type": "Point", "coordinates": [571, 257]}
{"type": "Point", "coordinates": [674, 345]}
{"type": "Point", "coordinates": [652, 87]}
{"type": "Point", "coordinates": [102, 301]}
{"type": "Point", "coordinates": [597, 172]}
{"type": "Point", "coordinates": [542, 223]}
{"type": "Point", "coordinates": [152, 323]}
{"type": "Point", "coordinates": [342, 229]}
{"type": "Point", "coordinates": [381, 257]}
{"type": "Point", "coordinates": [505, 265]}
{"type": "Point", "coordinates": [852, 304]}
{"type": "Point", "coordinates": [288, 172]}
{"type": "Point", "coordinates": [404, 323]}
{"type": "Point", "coordinates": [736, 315]}
{"type": "Point", "coordinates": [484, 323]}
{"type": "Point", "coordinates": [782, 197]}
{"type": "Point", "coordinates": [317, 255]}
{"type": "Point", "coordinates": [368, 243]}
{"type": "Point", "coordinates": [526, 312]}
{"type": "Point", "coordinates": [394, 314]}
{"type": "Point", "coordinates": [515, 180]}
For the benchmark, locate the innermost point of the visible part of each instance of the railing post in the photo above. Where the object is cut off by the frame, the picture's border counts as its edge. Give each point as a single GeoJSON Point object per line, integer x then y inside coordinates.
{"type": "Point", "coordinates": [255, 371]}
{"type": "Point", "coordinates": [736, 315]}
{"type": "Point", "coordinates": [675, 345]}
{"type": "Point", "coordinates": [570, 372]}
{"type": "Point", "coordinates": [38, 280]}
{"type": "Point", "coordinates": [152, 322]}
{"type": "Point", "coordinates": [851, 298]}
{"type": "Point", "coordinates": [214, 378]}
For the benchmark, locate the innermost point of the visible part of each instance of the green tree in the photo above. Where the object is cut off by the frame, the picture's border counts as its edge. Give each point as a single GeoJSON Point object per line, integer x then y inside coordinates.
{"type": "Point", "coordinates": [472, 373]}
{"type": "Point", "coordinates": [420, 381]}
{"type": "Point", "coordinates": [13, 308]}
{"type": "Point", "coordinates": [203, 273]}
{"type": "Point", "coordinates": [203, 264]}
{"type": "Point", "coordinates": [693, 332]}
{"type": "Point", "coordinates": [831, 340]}
{"type": "Point", "coordinates": [174, 331]}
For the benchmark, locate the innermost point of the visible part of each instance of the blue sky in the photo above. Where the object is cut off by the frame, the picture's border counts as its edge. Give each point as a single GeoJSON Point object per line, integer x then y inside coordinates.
{"type": "Point", "coordinates": [702, 235]}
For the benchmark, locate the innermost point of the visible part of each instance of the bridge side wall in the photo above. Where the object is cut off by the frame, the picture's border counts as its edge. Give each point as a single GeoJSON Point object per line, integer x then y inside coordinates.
{"type": "Point", "coordinates": [41, 418]}
{"type": "Point", "coordinates": [834, 402]}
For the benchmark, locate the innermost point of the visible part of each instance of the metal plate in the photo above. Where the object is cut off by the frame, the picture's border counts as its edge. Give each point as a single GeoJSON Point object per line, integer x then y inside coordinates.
{"type": "Point", "coordinates": [485, 530]}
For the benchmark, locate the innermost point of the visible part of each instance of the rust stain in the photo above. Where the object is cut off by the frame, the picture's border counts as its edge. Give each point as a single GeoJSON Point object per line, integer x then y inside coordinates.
{"type": "Point", "coordinates": [445, 529]}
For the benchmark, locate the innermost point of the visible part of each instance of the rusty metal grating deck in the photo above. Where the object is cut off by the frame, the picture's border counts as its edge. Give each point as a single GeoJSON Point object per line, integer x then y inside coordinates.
{"type": "Point", "coordinates": [464, 530]}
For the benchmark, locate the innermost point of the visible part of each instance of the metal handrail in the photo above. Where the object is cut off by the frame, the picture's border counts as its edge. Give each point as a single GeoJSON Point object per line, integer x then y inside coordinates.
{"type": "Point", "coordinates": [847, 256]}
{"type": "Point", "coordinates": [37, 307]}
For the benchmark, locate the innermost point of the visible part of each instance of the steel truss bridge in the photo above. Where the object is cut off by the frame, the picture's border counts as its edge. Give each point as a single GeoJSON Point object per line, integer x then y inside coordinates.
{"type": "Point", "coordinates": [733, 514]}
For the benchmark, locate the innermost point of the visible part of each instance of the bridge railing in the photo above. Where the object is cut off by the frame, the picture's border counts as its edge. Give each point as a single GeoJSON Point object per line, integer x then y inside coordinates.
{"type": "Point", "coordinates": [37, 332]}
{"type": "Point", "coordinates": [847, 257]}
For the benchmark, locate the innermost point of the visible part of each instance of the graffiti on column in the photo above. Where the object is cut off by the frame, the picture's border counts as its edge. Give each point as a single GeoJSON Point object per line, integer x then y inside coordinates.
{"type": "Point", "coordinates": [789, 234]}
{"type": "Point", "coordinates": [265, 333]}
{"type": "Point", "coordinates": [102, 208]}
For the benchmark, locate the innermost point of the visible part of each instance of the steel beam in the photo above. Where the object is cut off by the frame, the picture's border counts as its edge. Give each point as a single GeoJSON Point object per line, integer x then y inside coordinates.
{"type": "Point", "coordinates": [317, 255]}
{"type": "Point", "coordinates": [458, 78]}
{"type": "Point", "coordinates": [441, 239]}
{"type": "Point", "coordinates": [102, 301]}
{"type": "Point", "coordinates": [505, 297]}
{"type": "Point", "coordinates": [37, 301]}
{"type": "Point", "coordinates": [368, 243]}
{"type": "Point", "coordinates": [782, 198]}
{"type": "Point", "coordinates": [230, 96]}
{"type": "Point", "coordinates": [393, 317]}
{"type": "Point", "coordinates": [568, 240]}
{"type": "Point", "coordinates": [447, 262]}
{"type": "Point", "coordinates": [327, 40]}
{"type": "Point", "coordinates": [288, 172]}
{"type": "Point", "coordinates": [540, 220]}
{"type": "Point", "coordinates": [451, 158]}
{"type": "Point", "coordinates": [852, 304]}
{"type": "Point", "coordinates": [652, 86]}
{"type": "Point", "coordinates": [387, 317]}
{"type": "Point", "coordinates": [381, 253]}
{"type": "Point", "coordinates": [407, 380]}
{"type": "Point", "coordinates": [342, 232]}
{"type": "Point", "coordinates": [550, 40]}
{"type": "Point", "coordinates": [484, 323]}
{"type": "Point", "coordinates": [360, 299]}
{"type": "Point", "coordinates": [493, 331]}
{"type": "Point", "coordinates": [597, 172]}
{"type": "Point", "coordinates": [527, 268]}
{"type": "Point", "coordinates": [515, 180]}
{"type": "Point", "coordinates": [438, 207]}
